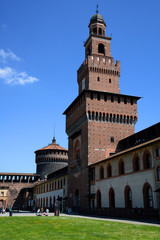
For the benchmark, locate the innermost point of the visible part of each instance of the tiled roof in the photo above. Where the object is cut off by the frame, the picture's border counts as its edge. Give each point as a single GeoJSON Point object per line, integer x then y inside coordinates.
{"type": "Point", "coordinates": [52, 146]}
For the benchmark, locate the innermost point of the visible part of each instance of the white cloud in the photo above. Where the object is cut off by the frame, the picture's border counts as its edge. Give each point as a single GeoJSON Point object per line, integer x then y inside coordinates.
{"type": "Point", "coordinates": [6, 55]}
{"type": "Point", "coordinates": [11, 77]}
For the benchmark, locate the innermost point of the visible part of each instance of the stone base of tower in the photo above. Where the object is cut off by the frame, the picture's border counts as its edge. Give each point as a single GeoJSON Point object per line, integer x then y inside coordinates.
{"type": "Point", "coordinates": [78, 190]}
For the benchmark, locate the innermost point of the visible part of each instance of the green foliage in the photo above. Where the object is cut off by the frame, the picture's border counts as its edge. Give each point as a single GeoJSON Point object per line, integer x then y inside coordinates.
{"type": "Point", "coordinates": [68, 228]}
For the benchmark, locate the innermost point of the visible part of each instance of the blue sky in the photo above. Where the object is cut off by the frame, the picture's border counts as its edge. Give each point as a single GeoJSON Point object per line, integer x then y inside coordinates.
{"type": "Point", "coordinates": [41, 48]}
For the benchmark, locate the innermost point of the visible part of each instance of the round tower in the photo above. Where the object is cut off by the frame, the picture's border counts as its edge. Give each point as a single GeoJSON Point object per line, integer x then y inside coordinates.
{"type": "Point", "coordinates": [50, 159]}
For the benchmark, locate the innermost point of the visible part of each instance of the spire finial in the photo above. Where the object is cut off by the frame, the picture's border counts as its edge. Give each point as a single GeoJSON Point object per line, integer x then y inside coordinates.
{"type": "Point", "coordinates": [54, 139]}
{"type": "Point", "coordinates": [97, 9]}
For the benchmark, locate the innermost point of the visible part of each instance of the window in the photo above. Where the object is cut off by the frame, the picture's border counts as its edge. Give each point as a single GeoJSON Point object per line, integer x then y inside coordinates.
{"type": "Point", "coordinates": [158, 173]}
{"type": "Point", "coordinates": [112, 139]}
{"type": "Point", "coordinates": [98, 79]}
{"type": "Point", "coordinates": [109, 170]}
{"type": "Point", "coordinates": [109, 80]}
{"type": "Point", "coordinates": [121, 167]}
{"type": "Point", "coordinates": [111, 198]}
{"type": "Point", "coordinates": [128, 197]}
{"type": "Point", "coordinates": [101, 172]}
{"type": "Point", "coordinates": [147, 196]}
{"type": "Point", "coordinates": [98, 199]}
{"type": "Point", "coordinates": [147, 160]}
{"type": "Point", "coordinates": [2, 194]}
{"type": "Point", "coordinates": [100, 31]}
{"type": "Point", "coordinates": [83, 84]}
{"type": "Point", "coordinates": [136, 164]}
{"type": "Point", "coordinates": [94, 30]}
{"type": "Point", "coordinates": [101, 48]}
{"type": "Point", "coordinates": [157, 152]}
{"type": "Point", "coordinates": [98, 97]}
{"type": "Point", "coordinates": [105, 97]}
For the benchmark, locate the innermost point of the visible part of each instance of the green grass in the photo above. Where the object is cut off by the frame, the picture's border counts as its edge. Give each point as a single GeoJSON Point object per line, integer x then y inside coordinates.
{"type": "Point", "coordinates": [57, 228]}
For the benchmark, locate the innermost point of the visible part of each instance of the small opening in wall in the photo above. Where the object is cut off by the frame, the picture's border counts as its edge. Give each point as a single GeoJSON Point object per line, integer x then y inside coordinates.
{"type": "Point", "coordinates": [112, 98]}
{"type": "Point", "coordinates": [112, 139]}
{"type": "Point", "coordinates": [98, 79]}
{"type": "Point", "coordinates": [109, 80]}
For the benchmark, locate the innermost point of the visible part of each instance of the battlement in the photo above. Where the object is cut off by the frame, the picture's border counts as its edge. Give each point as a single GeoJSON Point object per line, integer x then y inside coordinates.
{"type": "Point", "coordinates": [106, 65]}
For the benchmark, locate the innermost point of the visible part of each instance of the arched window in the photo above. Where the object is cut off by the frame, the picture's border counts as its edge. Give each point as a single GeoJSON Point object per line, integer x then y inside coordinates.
{"type": "Point", "coordinates": [147, 160]}
{"type": "Point", "coordinates": [158, 173]}
{"type": "Point", "coordinates": [100, 31]}
{"type": "Point", "coordinates": [101, 48]}
{"type": "Point", "coordinates": [121, 167]}
{"type": "Point", "coordinates": [128, 197]}
{"type": "Point", "coordinates": [147, 196]}
{"type": "Point", "coordinates": [77, 150]}
{"type": "Point", "coordinates": [111, 198]}
{"type": "Point", "coordinates": [136, 163]}
{"type": "Point", "coordinates": [94, 30]}
{"type": "Point", "coordinates": [98, 199]}
{"type": "Point", "coordinates": [109, 170]}
{"type": "Point", "coordinates": [101, 172]}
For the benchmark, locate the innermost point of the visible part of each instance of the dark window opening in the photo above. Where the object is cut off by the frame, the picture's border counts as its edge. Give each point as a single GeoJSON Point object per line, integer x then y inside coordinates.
{"type": "Point", "coordinates": [98, 79]}
{"type": "Point", "coordinates": [109, 80]}
{"type": "Point", "coordinates": [147, 161]}
{"type": "Point", "coordinates": [109, 170]}
{"type": "Point", "coordinates": [98, 97]}
{"type": "Point", "coordinates": [94, 30]}
{"type": "Point", "coordinates": [101, 48]}
{"type": "Point", "coordinates": [101, 172]}
{"type": "Point", "coordinates": [100, 31]}
{"type": "Point", "coordinates": [136, 166]}
{"type": "Point", "coordinates": [112, 139]}
{"type": "Point", "coordinates": [121, 167]}
{"type": "Point", "coordinates": [128, 197]}
{"type": "Point", "coordinates": [111, 198]}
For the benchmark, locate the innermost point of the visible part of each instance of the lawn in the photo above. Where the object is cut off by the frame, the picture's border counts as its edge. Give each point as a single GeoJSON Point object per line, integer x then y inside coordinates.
{"type": "Point", "coordinates": [68, 228]}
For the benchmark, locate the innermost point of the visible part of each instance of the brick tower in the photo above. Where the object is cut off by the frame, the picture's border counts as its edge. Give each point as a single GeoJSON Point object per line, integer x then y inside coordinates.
{"type": "Point", "coordinates": [100, 116]}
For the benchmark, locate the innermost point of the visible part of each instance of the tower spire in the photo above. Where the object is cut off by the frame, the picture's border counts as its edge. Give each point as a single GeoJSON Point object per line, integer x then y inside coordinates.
{"type": "Point", "coordinates": [54, 139]}
{"type": "Point", "coordinates": [97, 9]}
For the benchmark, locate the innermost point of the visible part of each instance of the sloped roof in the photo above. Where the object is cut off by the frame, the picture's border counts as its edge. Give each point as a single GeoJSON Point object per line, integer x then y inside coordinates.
{"type": "Point", "coordinates": [52, 146]}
